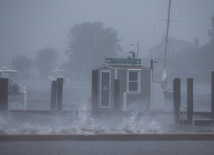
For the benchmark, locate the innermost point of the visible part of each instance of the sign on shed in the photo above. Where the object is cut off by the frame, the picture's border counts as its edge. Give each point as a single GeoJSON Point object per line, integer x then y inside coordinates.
{"type": "Point", "coordinates": [122, 61]}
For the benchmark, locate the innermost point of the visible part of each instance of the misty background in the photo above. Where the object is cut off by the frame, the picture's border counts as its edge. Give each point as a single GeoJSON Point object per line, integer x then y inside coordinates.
{"type": "Point", "coordinates": [38, 35]}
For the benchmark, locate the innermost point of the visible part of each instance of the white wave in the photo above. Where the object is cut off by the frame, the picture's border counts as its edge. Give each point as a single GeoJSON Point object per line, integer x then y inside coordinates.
{"type": "Point", "coordinates": [139, 124]}
{"type": "Point", "coordinates": [81, 123]}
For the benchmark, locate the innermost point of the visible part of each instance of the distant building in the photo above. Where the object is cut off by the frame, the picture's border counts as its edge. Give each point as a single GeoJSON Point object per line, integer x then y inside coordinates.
{"type": "Point", "coordinates": [174, 47]}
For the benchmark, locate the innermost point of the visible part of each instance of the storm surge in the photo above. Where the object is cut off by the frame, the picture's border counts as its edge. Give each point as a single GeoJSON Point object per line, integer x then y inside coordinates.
{"type": "Point", "coordinates": [77, 122]}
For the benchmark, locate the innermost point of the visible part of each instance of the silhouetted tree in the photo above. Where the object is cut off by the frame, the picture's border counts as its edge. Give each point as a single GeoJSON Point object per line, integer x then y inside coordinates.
{"type": "Point", "coordinates": [208, 49]}
{"type": "Point", "coordinates": [89, 44]}
{"type": "Point", "coordinates": [46, 60]}
{"type": "Point", "coordinates": [22, 64]}
{"type": "Point", "coordinates": [211, 31]}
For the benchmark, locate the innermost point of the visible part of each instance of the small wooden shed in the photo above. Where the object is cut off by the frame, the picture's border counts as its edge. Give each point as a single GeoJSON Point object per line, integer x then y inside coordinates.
{"type": "Point", "coordinates": [121, 85]}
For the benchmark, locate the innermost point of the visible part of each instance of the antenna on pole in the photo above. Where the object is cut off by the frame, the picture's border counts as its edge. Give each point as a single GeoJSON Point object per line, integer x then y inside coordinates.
{"type": "Point", "coordinates": [137, 49]}
{"type": "Point", "coordinates": [132, 52]}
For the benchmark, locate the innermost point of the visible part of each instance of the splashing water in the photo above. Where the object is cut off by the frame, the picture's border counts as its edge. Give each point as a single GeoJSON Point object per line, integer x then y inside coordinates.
{"type": "Point", "coordinates": [82, 122]}
{"type": "Point", "coordinates": [139, 124]}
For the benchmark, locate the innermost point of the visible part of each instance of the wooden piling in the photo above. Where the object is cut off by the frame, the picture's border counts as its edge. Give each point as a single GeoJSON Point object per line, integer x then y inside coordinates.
{"type": "Point", "coordinates": [94, 95]}
{"type": "Point", "coordinates": [53, 95]}
{"type": "Point", "coordinates": [116, 94]}
{"type": "Point", "coordinates": [212, 95]}
{"type": "Point", "coordinates": [59, 93]}
{"type": "Point", "coordinates": [151, 66]}
{"type": "Point", "coordinates": [189, 100]}
{"type": "Point", "coordinates": [176, 97]}
{"type": "Point", "coordinates": [3, 94]}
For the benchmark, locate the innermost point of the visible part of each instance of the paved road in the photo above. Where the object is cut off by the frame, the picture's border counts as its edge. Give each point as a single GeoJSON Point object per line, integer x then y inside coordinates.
{"type": "Point", "coordinates": [107, 148]}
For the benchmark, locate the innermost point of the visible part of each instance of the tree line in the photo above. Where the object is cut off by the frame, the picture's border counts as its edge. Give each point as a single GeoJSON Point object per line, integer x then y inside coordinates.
{"type": "Point", "coordinates": [89, 43]}
{"type": "Point", "coordinates": [194, 63]}
{"type": "Point", "coordinates": [41, 65]}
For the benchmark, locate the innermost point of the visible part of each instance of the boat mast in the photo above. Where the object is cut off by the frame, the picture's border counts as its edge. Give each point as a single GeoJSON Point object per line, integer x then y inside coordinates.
{"type": "Point", "coordinates": [164, 76]}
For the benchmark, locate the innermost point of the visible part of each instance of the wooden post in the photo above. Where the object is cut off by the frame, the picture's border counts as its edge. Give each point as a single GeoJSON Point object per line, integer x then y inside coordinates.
{"type": "Point", "coordinates": [3, 94]}
{"type": "Point", "coordinates": [151, 66]}
{"type": "Point", "coordinates": [189, 100]}
{"type": "Point", "coordinates": [53, 95]}
{"type": "Point", "coordinates": [116, 94]}
{"type": "Point", "coordinates": [94, 94]}
{"type": "Point", "coordinates": [212, 95]}
{"type": "Point", "coordinates": [176, 97]}
{"type": "Point", "coordinates": [59, 93]}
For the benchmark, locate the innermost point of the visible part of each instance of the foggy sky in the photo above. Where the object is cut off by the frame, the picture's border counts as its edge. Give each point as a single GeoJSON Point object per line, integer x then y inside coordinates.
{"type": "Point", "coordinates": [27, 26]}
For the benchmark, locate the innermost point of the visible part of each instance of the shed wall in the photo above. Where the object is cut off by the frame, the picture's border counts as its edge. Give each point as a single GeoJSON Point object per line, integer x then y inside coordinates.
{"type": "Point", "coordinates": [140, 100]}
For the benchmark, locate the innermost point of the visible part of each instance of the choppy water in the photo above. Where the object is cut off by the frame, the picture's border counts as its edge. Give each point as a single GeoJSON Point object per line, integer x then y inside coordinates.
{"type": "Point", "coordinates": [80, 121]}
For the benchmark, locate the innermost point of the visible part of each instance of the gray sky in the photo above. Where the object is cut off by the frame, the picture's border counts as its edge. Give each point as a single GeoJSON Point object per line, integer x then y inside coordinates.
{"type": "Point", "coordinates": [29, 25]}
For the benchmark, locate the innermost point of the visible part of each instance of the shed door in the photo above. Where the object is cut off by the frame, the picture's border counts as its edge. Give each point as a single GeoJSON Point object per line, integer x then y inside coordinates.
{"type": "Point", "coordinates": [105, 83]}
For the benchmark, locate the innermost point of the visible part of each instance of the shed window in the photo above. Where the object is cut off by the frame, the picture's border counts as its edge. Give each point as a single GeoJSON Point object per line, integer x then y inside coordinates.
{"type": "Point", "coordinates": [133, 85]}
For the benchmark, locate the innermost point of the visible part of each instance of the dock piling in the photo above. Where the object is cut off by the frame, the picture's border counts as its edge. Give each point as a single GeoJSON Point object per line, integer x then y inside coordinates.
{"type": "Point", "coordinates": [53, 95]}
{"type": "Point", "coordinates": [59, 93]}
{"type": "Point", "coordinates": [3, 94]}
{"type": "Point", "coordinates": [212, 95]}
{"type": "Point", "coordinates": [190, 100]}
{"type": "Point", "coordinates": [176, 98]}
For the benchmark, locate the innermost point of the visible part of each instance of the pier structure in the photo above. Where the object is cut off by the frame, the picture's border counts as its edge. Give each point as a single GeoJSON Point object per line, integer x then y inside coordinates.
{"type": "Point", "coordinates": [186, 114]}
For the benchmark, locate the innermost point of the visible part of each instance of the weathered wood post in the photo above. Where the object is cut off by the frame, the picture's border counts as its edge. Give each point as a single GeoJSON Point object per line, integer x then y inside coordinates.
{"type": "Point", "coordinates": [94, 94]}
{"type": "Point", "coordinates": [53, 95]}
{"type": "Point", "coordinates": [59, 93]}
{"type": "Point", "coordinates": [116, 94]}
{"type": "Point", "coordinates": [151, 66]}
{"type": "Point", "coordinates": [189, 100]}
{"type": "Point", "coordinates": [176, 97]}
{"type": "Point", "coordinates": [212, 95]}
{"type": "Point", "coordinates": [3, 94]}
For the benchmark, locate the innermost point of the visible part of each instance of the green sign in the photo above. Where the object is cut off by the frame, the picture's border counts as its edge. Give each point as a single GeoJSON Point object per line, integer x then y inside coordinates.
{"type": "Point", "coordinates": [119, 61]}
